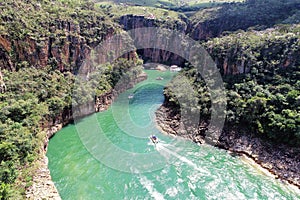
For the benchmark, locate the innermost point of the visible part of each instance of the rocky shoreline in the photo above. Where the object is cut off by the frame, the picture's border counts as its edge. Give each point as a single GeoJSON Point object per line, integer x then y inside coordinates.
{"type": "Point", "coordinates": [42, 185]}
{"type": "Point", "coordinates": [281, 161]}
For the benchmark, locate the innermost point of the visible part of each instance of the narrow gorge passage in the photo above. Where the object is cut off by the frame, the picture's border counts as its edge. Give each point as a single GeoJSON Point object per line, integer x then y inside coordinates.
{"type": "Point", "coordinates": [188, 171]}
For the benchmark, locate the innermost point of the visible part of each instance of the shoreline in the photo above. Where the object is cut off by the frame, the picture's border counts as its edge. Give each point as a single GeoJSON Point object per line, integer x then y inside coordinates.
{"type": "Point", "coordinates": [43, 186]}
{"type": "Point", "coordinates": [238, 144]}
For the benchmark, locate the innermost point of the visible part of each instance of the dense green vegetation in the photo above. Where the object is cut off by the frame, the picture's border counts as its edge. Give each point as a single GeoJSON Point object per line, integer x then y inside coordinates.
{"type": "Point", "coordinates": [176, 5]}
{"type": "Point", "coordinates": [260, 68]}
{"type": "Point", "coordinates": [34, 18]}
{"type": "Point", "coordinates": [30, 97]}
{"type": "Point", "coordinates": [34, 98]}
{"type": "Point", "coordinates": [261, 76]}
{"type": "Point", "coordinates": [116, 10]}
{"type": "Point", "coordinates": [257, 14]}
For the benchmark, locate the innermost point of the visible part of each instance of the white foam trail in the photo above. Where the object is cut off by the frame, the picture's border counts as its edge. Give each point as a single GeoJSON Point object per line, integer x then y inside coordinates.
{"type": "Point", "coordinates": [167, 152]}
{"type": "Point", "coordinates": [150, 187]}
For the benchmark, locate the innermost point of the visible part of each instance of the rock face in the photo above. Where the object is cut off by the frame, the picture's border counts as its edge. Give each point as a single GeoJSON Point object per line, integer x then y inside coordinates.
{"type": "Point", "coordinates": [65, 49]}
{"type": "Point", "coordinates": [212, 22]}
{"type": "Point", "coordinates": [2, 83]}
{"type": "Point", "coordinates": [169, 121]}
{"type": "Point", "coordinates": [236, 54]}
{"type": "Point", "coordinates": [139, 21]}
{"type": "Point", "coordinates": [230, 57]}
{"type": "Point", "coordinates": [5, 48]}
{"type": "Point", "coordinates": [68, 46]}
{"type": "Point", "coordinates": [130, 22]}
{"type": "Point", "coordinates": [282, 161]}
{"type": "Point", "coordinates": [43, 186]}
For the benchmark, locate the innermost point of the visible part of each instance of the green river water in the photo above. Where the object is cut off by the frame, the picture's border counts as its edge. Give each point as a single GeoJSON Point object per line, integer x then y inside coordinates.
{"type": "Point", "coordinates": [118, 161]}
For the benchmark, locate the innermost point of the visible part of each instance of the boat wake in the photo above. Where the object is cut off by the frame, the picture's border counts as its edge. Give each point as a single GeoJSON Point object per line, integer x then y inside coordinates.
{"type": "Point", "coordinates": [149, 186]}
{"type": "Point", "coordinates": [169, 152]}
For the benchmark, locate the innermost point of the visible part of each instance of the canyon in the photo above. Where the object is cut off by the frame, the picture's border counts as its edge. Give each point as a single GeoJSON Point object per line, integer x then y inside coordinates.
{"type": "Point", "coordinates": [66, 44]}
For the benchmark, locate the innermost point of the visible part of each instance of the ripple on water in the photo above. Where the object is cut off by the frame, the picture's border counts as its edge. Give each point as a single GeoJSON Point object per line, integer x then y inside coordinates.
{"type": "Point", "coordinates": [191, 172]}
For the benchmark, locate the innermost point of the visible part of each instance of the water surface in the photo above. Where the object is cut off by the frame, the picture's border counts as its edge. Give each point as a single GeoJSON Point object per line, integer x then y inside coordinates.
{"type": "Point", "coordinates": [85, 165]}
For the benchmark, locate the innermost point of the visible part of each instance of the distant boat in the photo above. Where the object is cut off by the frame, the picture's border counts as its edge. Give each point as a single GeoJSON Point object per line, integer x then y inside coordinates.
{"type": "Point", "coordinates": [159, 78]}
{"type": "Point", "coordinates": [175, 68]}
{"type": "Point", "coordinates": [130, 96]}
{"type": "Point", "coordinates": [154, 139]}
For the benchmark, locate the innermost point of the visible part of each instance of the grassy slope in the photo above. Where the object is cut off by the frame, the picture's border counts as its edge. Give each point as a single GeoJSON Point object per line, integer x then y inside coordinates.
{"type": "Point", "coordinates": [262, 10]}
{"type": "Point", "coordinates": [116, 10]}
{"type": "Point", "coordinates": [20, 19]}
{"type": "Point", "coordinates": [169, 3]}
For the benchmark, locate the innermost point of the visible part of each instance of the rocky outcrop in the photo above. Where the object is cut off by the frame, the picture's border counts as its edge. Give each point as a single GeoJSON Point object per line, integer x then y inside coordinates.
{"type": "Point", "coordinates": [65, 48]}
{"type": "Point", "coordinates": [213, 22]}
{"type": "Point", "coordinates": [169, 121]}
{"type": "Point", "coordinates": [43, 186]}
{"type": "Point", "coordinates": [140, 21]}
{"type": "Point", "coordinates": [129, 22]}
{"type": "Point", "coordinates": [281, 160]}
{"type": "Point", "coordinates": [2, 84]}
{"type": "Point", "coordinates": [204, 31]}
{"type": "Point", "coordinates": [233, 54]}
{"type": "Point", "coordinates": [5, 48]}
{"type": "Point", "coordinates": [255, 51]}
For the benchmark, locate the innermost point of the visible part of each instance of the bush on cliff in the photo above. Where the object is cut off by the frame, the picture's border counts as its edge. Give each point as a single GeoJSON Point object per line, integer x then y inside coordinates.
{"type": "Point", "coordinates": [261, 71]}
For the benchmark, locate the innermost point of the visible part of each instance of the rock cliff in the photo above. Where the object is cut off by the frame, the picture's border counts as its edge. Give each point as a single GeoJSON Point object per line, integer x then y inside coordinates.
{"type": "Point", "coordinates": [259, 15]}
{"type": "Point", "coordinates": [129, 22]}
{"type": "Point", "coordinates": [65, 48]}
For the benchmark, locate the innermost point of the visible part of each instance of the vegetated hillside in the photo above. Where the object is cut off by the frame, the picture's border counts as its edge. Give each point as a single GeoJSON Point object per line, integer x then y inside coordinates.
{"type": "Point", "coordinates": [58, 33]}
{"type": "Point", "coordinates": [207, 23]}
{"type": "Point", "coordinates": [261, 71]}
{"type": "Point", "coordinates": [42, 43]}
{"type": "Point", "coordinates": [259, 14]}
{"type": "Point", "coordinates": [171, 4]}
{"type": "Point", "coordinates": [159, 8]}
{"type": "Point", "coordinates": [116, 10]}
{"type": "Point", "coordinates": [244, 52]}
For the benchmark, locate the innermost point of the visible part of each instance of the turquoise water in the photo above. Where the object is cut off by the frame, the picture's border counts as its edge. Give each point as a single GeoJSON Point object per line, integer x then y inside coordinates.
{"type": "Point", "coordinates": [108, 156]}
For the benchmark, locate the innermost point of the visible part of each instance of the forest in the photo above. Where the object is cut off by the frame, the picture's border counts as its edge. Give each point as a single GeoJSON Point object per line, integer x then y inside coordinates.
{"type": "Point", "coordinates": [261, 73]}
{"type": "Point", "coordinates": [255, 44]}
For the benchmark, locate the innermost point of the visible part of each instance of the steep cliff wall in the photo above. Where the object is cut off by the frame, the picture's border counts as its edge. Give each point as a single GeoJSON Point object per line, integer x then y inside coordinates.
{"type": "Point", "coordinates": [56, 33]}
{"type": "Point", "coordinates": [256, 51]}
{"type": "Point", "coordinates": [64, 43]}
{"type": "Point", "coordinates": [65, 48]}
{"type": "Point", "coordinates": [129, 22]}
{"type": "Point", "coordinates": [237, 53]}
{"type": "Point", "coordinates": [261, 14]}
